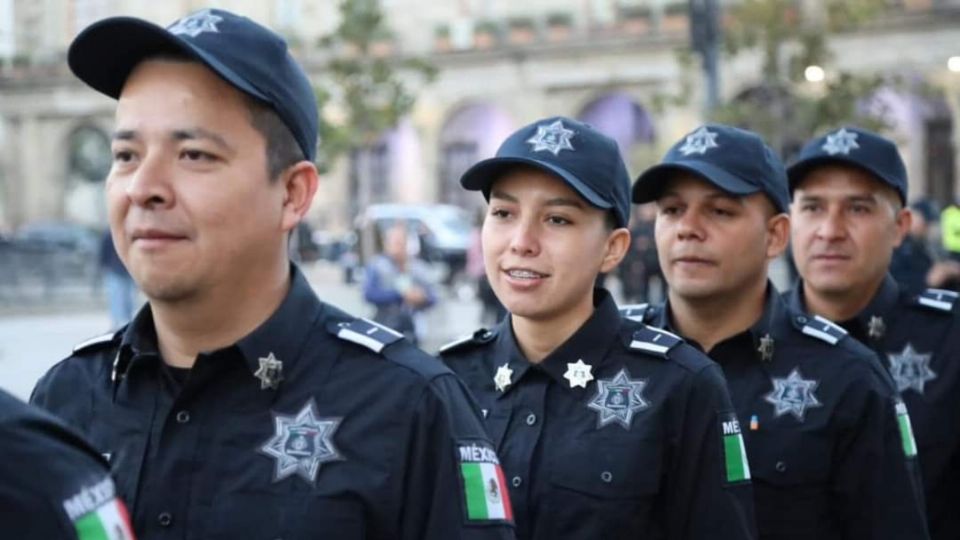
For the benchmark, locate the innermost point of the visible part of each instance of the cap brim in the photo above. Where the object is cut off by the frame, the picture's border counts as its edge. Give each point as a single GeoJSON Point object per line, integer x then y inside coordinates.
{"type": "Point", "coordinates": [650, 184]}
{"type": "Point", "coordinates": [483, 174]}
{"type": "Point", "coordinates": [105, 53]}
{"type": "Point", "coordinates": [799, 170]}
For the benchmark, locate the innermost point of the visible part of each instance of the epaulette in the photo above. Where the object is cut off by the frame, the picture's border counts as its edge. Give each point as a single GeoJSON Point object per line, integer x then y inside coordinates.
{"type": "Point", "coordinates": [938, 300]}
{"type": "Point", "coordinates": [636, 312]}
{"type": "Point", "coordinates": [371, 335]}
{"type": "Point", "coordinates": [654, 341]}
{"type": "Point", "coordinates": [479, 337]}
{"type": "Point", "coordinates": [95, 343]}
{"type": "Point", "coordinates": [820, 328]}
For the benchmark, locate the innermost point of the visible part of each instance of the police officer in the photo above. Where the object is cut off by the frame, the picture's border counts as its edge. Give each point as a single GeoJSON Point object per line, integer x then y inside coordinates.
{"type": "Point", "coordinates": [606, 428]}
{"type": "Point", "coordinates": [53, 485]}
{"type": "Point", "coordinates": [849, 188]}
{"type": "Point", "coordinates": [820, 415]}
{"type": "Point", "coordinates": [236, 404]}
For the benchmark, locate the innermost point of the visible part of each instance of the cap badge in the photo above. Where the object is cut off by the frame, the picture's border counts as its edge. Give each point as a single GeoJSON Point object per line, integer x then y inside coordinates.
{"type": "Point", "coordinates": [579, 374]}
{"type": "Point", "coordinates": [699, 142]}
{"type": "Point", "coordinates": [195, 24]}
{"type": "Point", "coordinates": [840, 142]}
{"type": "Point", "coordinates": [552, 138]}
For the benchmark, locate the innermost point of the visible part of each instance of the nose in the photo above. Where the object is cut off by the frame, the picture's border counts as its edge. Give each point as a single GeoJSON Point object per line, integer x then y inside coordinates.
{"type": "Point", "coordinates": [149, 185]}
{"type": "Point", "coordinates": [524, 239]}
{"type": "Point", "coordinates": [689, 225]}
{"type": "Point", "coordinates": [831, 227]}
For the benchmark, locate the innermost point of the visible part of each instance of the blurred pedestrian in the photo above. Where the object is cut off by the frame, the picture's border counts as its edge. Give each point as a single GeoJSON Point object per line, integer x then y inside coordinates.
{"type": "Point", "coordinates": [912, 260]}
{"type": "Point", "coordinates": [491, 308]}
{"type": "Point", "coordinates": [118, 285]}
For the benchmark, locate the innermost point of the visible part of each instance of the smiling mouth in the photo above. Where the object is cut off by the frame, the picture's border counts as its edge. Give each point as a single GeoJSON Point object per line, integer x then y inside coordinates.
{"type": "Point", "coordinates": [522, 273]}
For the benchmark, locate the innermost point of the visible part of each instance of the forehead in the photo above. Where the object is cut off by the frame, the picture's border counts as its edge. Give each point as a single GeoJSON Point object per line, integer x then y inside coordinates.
{"type": "Point", "coordinates": [685, 184]}
{"type": "Point", "coordinates": [839, 180]}
{"type": "Point", "coordinates": [522, 182]}
{"type": "Point", "coordinates": [178, 83]}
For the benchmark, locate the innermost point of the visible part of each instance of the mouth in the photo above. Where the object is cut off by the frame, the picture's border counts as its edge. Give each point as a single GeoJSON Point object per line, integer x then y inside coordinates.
{"type": "Point", "coordinates": [524, 274]}
{"type": "Point", "coordinates": [694, 261]}
{"type": "Point", "coordinates": [831, 257]}
{"type": "Point", "coordinates": [155, 236]}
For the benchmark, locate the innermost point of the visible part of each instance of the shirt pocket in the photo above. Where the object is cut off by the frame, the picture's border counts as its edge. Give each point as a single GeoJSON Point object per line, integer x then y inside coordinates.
{"type": "Point", "coordinates": [265, 516]}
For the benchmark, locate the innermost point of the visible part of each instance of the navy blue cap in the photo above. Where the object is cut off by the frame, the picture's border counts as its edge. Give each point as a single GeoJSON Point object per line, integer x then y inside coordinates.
{"type": "Point", "coordinates": [858, 148]}
{"type": "Point", "coordinates": [735, 160]}
{"type": "Point", "coordinates": [587, 160]}
{"type": "Point", "coordinates": [247, 55]}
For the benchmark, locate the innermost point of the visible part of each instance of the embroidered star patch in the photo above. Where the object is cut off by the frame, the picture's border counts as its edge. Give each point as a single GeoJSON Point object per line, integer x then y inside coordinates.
{"type": "Point", "coordinates": [552, 138]}
{"type": "Point", "coordinates": [699, 142]}
{"type": "Point", "coordinates": [503, 378]}
{"type": "Point", "coordinates": [840, 142]}
{"type": "Point", "coordinates": [579, 374]}
{"type": "Point", "coordinates": [911, 369]}
{"type": "Point", "coordinates": [196, 24]}
{"type": "Point", "coordinates": [301, 443]}
{"type": "Point", "coordinates": [618, 399]}
{"type": "Point", "coordinates": [793, 394]}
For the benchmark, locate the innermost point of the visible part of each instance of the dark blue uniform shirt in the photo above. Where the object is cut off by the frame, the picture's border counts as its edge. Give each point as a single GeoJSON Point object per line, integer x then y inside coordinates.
{"type": "Point", "coordinates": [917, 337]}
{"type": "Point", "coordinates": [619, 433]}
{"type": "Point", "coordinates": [53, 485]}
{"type": "Point", "coordinates": [316, 425]}
{"type": "Point", "coordinates": [821, 427]}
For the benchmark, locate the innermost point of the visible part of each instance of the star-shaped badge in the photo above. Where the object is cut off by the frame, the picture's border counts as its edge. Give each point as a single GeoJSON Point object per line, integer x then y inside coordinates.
{"type": "Point", "coordinates": [876, 327]}
{"type": "Point", "coordinates": [196, 24]}
{"type": "Point", "coordinates": [699, 142]}
{"type": "Point", "coordinates": [579, 374]}
{"type": "Point", "coordinates": [552, 138]}
{"type": "Point", "coordinates": [270, 372]}
{"type": "Point", "coordinates": [840, 142]}
{"type": "Point", "coordinates": [503, 378]}
{"type": "Point", "coordinates": [618, 399]}
{"type": "Point", "coordinates": [911, 369]}
{"type": "Point", "coordinates": [301, 443]}
{"type": "Point", "coordinates": [766, 348]}
{"type": "Point", "coordinates": [793, 395]}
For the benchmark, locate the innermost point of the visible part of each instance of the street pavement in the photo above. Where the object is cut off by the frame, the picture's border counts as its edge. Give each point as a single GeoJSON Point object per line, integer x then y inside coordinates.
{"type": "Point", "coordinates": [34, 338]}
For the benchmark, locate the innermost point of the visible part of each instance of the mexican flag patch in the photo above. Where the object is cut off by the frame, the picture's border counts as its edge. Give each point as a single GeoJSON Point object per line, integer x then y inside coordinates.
{"type": "Point", "coordinates": [484, 487]}
{"type": "Point", "coordinates": [97, 513]}
{"type": "Point", "coordinates": [906, 430]}
{"type": "Point", "coordinates": [736, 466]}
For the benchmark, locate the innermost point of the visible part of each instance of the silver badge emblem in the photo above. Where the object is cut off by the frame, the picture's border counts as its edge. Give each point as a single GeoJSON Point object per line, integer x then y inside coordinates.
{"type": "Point", "coordinates": [699, 142]}
{"type": "Point", "coordinates": [911, 369]}
{"type": "Point", "coordinates": [270, 372]}
{"type": "Point", "coordinates": [503, 378]}
{"type": "Point", "coordinates": [301, 443]}
{"type": "Point", "coordinates": [766, 348]}
{"type": "Point", "coordinates": [876, 328]}
{"type": "Point", "coordinates": [579, 374]}
{"type": "Point", "coordinates": [196, 24]}
{"type": "Point", "coordinates": [618, 399]}
{"type": "Point", "coordinates": [840, 142]}
{"type": "Point", "coordinates": [552, 138]}
{"type": "Point", "coordinates": [793, 394]}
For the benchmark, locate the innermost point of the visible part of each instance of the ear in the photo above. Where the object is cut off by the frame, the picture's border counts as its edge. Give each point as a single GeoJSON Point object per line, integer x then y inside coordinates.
{"type": "Point", "coordinates": [778, 234]}
{"type": "Point", "coordinates": [300, 185]}
{"type": "Point", "coordinates": [903, 220]}
{"type": "Point", "coordinates": [617, 244]}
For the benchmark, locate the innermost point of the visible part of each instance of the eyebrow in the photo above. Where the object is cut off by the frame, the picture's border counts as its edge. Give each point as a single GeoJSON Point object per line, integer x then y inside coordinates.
{"type": "Point", "coordinates": [178, 135]}
{"type": "Point", "coordinates": [556, 201]}
{"type": "Point", "coordinates": [871, 199]}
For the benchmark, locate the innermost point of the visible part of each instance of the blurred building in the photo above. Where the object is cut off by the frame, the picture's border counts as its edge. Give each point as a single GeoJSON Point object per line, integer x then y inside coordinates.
{"type": "Point", "coordinates": [502, 64]}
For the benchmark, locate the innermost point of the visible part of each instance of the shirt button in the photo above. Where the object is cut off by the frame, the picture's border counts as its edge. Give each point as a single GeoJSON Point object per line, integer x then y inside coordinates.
{"type": "Point", "coordinates": [183, 417]}
{"type": "Point", "coordinates": [801, 319]}
{"type": "Point", "coordinates": [516, 481]}
{"type": "Point", "coordinates": [165, 519]}
{"type": "Point", "coordinates": [606, 476]}
{"type": "Point", "coordinates": [531, 419]}
{"type": "Point", "coordinates": [780, 466]}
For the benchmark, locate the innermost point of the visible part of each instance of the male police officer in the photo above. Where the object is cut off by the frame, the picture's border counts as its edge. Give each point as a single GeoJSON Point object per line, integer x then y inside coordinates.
{"type": "Point", "coordinates": [236, 404]}
{"type": "Point", "coordinates": [607, 428]}
{"type": "Point", "coordinates": [53, 485]}
{"type": "Point", "coordinates": [821, 416]}
{"type": "Point", "coordinates": [849, 189]}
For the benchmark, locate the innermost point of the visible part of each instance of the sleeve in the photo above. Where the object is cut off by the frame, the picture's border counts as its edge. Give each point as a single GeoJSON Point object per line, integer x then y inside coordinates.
{"type": "Point", "coordinates": [877, 480]}
{"type": "Point", "coordinates": [709, 495]}
{"type": "Point", "coordinates": [374, 290]}
{"type": "Point", "coordinates": [454, 488]}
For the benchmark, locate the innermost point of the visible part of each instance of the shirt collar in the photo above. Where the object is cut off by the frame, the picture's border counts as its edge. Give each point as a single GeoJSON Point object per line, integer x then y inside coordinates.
{"type": "Point", "coordinates": [881, 306]}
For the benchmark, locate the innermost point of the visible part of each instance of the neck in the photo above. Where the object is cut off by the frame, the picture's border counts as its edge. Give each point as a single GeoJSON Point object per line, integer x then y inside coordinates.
{"type": "Point", "coordinates": [709, 321]}
{"type": "Point", "coordinates": [217, 319]}
{"type": "Point", "coordinates": [537, 338]}
{"type": "Point", "coordinates": [841, 306]}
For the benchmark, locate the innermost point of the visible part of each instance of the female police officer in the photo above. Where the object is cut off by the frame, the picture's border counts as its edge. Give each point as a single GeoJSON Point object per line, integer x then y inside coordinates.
{"type": "Point", "coordinates": [606, 428]}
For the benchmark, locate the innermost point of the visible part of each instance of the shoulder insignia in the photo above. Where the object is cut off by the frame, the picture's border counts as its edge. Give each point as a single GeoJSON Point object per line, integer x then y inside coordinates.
{"type": "Point", "coordinates": [938, 299]}
{"type": "Point", "coordinates": [635, 312]}
{"type": "Point", "coordinates": [476, 338]}
{"type": "Point", "coordinates": [820, 328]}
{"type": "Point", "coordinates": [654, 341]}
{"type": "Point", "coordinates": [96, 342]}
{"type": "Point", "coordinates": [371, 335]}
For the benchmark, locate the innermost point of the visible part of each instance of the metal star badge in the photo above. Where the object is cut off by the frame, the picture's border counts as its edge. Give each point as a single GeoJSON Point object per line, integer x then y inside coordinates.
{"type": "Point", "coordinates": [766, 348]}
{"type": "Point", "coordinates": [552, 138]}
{"type": "Point", "coordinates": [840, 142]}
{"type": "Point", "coordinates": [876, 328]}
{"type": "Point", "coordinates": [579, 374]}
{"type": "Point", "coordinates": [503, 378]}
{"type": "Point", "coordinates": [301, 443]}
{"type": "Point", "coordinates": [699, 142]}
{"type": "Point", "coordinates": [270, 372]}
{"type": "Point", "coordinates": [618, 399]}
{"type": "Point", "coordinates": [911, 369]}
{"type": "Point", "coordinates": [793, 395]}
{"type": "Point", "coordinates": [196, 24]}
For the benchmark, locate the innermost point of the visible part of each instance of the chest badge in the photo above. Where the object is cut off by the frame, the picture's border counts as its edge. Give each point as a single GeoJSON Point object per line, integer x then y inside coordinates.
{"type": "Point", "coordinates": [579, 374]}
{"type": "Point", "coordinates": [876, 328]}
{"type": "Point", "coordinates": [766, 348]}
{"type": "Point", "coordinates": [270, 372]}
{"type": "Point", "coordinates": [793, 394]}
{"type": "Point", "coordinates": [503, 378]}
{"type": "Point", "coordinates": [618, 399]}
{"type": "Point", "coordinates": [911, 369]}
{"type": "Point", "coordinates": [301, 443]}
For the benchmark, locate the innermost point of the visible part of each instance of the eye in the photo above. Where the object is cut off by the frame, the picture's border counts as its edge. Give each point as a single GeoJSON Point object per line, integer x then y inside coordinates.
{"type": "Point", "coordinates": [499, 213]}
{"type": "Point", "coordinates": [809, 207]}
{"type": "Point", "coordinates": [558, 220]}
{"type": "Point", "coordinates": [860, 209]}
{"type": "Point", "coordinates": [123, 156]}
{"type": "Point", "coordinates": [669, 209]}
{"type": "Point", "coordinates": [197, 155]}
{"type": "Point", "coordinates": [723, 212]}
